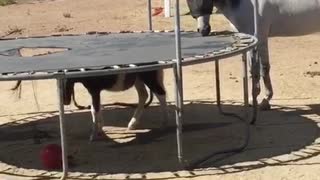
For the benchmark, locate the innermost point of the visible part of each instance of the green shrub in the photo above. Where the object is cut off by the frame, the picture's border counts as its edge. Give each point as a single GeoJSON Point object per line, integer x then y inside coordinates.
{"type": "Point", "coordinates": [6, 2]}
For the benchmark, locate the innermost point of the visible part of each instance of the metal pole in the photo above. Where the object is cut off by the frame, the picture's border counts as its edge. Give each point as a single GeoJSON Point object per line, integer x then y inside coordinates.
{"type": "Point", "coordinates": [255, 16]}
{"type": "Point", "coordinates": [167, 8]}
{"type": "Point", "coordinates": [178, 81]}
{"type": "Point", "coordinates": [218, 96]}
{"type": "Point", "coordinates": [206, 158]}
{"type": "Point", "coordinates": [60, 89]}
{"type": "Point", "coordinates": [149, 15]}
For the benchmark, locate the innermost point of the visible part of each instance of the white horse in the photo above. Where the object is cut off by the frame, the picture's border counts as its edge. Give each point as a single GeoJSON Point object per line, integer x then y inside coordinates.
{"type": "Point", "coordinates": [275, 18]}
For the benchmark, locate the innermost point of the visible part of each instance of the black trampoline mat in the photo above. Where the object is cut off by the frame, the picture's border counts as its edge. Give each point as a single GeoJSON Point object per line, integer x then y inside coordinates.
{"type": "Point", "coordinates": [92, 51]}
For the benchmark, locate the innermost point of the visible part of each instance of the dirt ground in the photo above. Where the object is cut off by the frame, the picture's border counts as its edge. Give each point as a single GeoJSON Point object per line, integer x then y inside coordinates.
{"type": "Point", "coordinates": [284, 144]}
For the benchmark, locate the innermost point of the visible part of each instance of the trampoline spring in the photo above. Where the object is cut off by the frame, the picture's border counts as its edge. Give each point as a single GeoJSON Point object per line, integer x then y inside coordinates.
{"type": "Point", "coordinates": [247, 41]}
{"type": "Point", "coordinates": [124, 31]}
{"type": "Point", "coordinates": [71, 34]}
{"type": "Point", "coordinates": [234, 47]}
{"type": "Point", "coordinates": [115, 67]}
{"type": "Point", "coordinates": [56, 35]}
{"type": "Point", "coordinates": [240, 45]}
{"type": "Point", "coordinates": [161, 62]}
{"type": "Point", "coordinates": [210, 54]}
{"type": "Point", "coordinates": [132, 65]}
{"type": "Point", "coordinates": [138, 31]}
{"type": "Point", "coordinates": [38, 36]}
{"type": "Point", "coordinates": [223, 50]}
{"type": "Point", "coordinates": [92, 32]}
{"type": "Point", "coordinates": [104, 33]}
{"type": "Point", "coordinates": [242, 35]}
{"type": "Point", "coordinates": [158, 31]}
{"type": "Point", "coordinates": [189, 59]}
{"type": "Point", "coordinates": [200, 56]}
{"type": "Point", "coordinates": [219, 51]}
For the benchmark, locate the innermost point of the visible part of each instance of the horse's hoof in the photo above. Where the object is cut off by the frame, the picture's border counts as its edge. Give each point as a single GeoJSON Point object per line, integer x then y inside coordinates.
{"type": "Point", "coordinates": [264, 105]}
{"type": "Point", "coordinates": [205, 31]}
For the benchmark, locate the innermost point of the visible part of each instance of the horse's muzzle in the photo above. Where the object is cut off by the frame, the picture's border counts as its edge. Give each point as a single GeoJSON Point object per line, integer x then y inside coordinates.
{"type": "Point", "coordinates": [204, 25]}
{"type": "Point", "coordinates": [205, 30]}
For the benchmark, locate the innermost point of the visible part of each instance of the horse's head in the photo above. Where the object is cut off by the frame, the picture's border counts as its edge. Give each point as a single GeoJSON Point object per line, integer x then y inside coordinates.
{"type": "Point", "coordinates": [202, 9]}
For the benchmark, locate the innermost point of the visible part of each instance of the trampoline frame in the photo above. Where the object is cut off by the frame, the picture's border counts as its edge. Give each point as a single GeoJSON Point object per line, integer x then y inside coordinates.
{"type": "Point", "coordinates": [248, 51]}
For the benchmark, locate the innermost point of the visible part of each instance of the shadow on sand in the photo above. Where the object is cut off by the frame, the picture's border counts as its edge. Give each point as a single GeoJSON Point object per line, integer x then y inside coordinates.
{"type": "Point", "coordinates": [282, 136]}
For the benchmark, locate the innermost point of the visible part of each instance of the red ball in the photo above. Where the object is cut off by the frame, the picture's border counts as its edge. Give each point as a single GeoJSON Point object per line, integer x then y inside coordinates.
{"type": "Point", "coordinates": [51, 156]}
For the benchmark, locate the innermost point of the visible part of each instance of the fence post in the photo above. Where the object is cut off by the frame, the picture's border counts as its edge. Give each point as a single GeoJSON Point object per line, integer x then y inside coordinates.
{"type": "Point", "coordinates": [167, 8]}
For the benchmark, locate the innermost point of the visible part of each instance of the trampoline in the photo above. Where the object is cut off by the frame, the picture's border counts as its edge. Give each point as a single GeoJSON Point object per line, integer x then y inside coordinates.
{"type": "Point", "coordinates": [108, 53]}
{"type": "Point", "coordinates": [103, 53]}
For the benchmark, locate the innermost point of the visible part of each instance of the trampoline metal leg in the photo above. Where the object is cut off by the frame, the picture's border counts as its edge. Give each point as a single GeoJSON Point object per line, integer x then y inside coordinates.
{"type": "Point", "coordinates": [178, 84]}
{"type": "Point", "coordinates": [149, 15]}
{"type": "Point", "coordinates": [178, 112]}
{"type": "Point", "coordinates": [245, 81]}
{"type": "Point", "coordinates": [62, 129]}
{"type": "Point", "coordinates": [218, 93]}
{"type": "Point", "coordinates": [206, 158]}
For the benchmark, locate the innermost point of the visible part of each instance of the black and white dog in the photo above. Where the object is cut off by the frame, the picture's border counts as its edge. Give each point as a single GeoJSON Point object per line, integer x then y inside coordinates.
{"type": "Point", "coordinates": [119, 82]}
{"type": "Point", "coordinates": [152, 79]}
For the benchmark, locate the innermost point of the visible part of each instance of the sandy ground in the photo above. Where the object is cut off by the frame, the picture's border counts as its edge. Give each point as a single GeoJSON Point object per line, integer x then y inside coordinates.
{"type": "Point", "coordinates": [284, 144]}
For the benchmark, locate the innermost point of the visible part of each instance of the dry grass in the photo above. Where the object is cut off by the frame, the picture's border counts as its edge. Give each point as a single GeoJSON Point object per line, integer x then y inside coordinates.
{"type": "Point", "coordinates": [62, 28]}
{"type": "Point", "coordinates": [67, 15]}
{"type": "Point", "coordinates": [13, 30]}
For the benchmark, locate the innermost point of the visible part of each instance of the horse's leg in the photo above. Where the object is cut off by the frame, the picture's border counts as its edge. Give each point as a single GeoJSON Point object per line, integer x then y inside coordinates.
{"type": "Point", "coordinates": [201, 10]}
{"type": "Point", "coordinates": [164, 108]}
{"type": "Point", "coordinates": [143, 95]}
{"type": "Point", "coordinates": [97, 118]}
{"type": "Point", "coordinates": [265, 73]}
{"type": "Point", "coordinates": [255, 73]}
